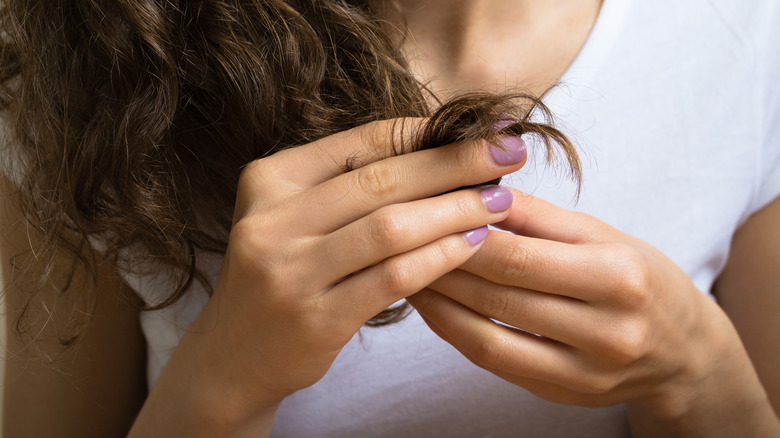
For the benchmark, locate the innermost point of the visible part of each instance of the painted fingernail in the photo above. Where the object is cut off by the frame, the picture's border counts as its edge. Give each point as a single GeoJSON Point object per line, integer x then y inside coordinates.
{"type": "Point", "coordinates": [496, 198]}
{"type": "Point", "coordinates": [502, 123]}
{"type": "Point", "coordinates": [476, 235]}
{"type": "Point", "coordinates": [510, 151]}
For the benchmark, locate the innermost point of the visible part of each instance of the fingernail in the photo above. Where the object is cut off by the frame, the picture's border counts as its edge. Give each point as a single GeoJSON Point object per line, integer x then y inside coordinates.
{"type": "Point", "coordinates": [473, 237]}
{"type": "Point", "coordinates": [496, 198]}
{"type": "Point", "coordinates": [511, 151]}
{"type": "Point", "coordinates": [502, 123]}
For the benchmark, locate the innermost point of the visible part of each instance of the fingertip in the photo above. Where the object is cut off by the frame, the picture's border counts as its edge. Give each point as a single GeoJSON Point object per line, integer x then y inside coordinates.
{"type": "Point", "coordinates": [511, 150]}
{"type": "Point", "coordinates": [424, 303]}
{"type": "Point", "coordinates": [496, 198]}
{"type": "Point", "coordinates": [475, 236]}
{"type": "Point", "coordinates": [419, 298]}
{"type": "Point", "coordinates": [434, 327]}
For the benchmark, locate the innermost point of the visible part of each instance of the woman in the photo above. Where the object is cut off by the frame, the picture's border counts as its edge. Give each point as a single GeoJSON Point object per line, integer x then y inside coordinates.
{"type": "Point", "coordinates": [600, 318]}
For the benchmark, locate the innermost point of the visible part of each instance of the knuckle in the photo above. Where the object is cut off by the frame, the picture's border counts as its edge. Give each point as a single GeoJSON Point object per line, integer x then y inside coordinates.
{"type": "Point", "coordinates": [628, 343]}
{"type": "Point", "coordinates": [399, 278]}
{"type": "Point", "coordinates": [253, 251]}
{"type": "Point", "coordinates": [465, 206]}
{"type": "Point", "coordinates": [269, 168]}
{"type": "Point", "coordinates": [246, 238]}
{"type": "Point", "coordinates": [387, 228]}
{"type": "Point", "coordinates": [450, 251]}
{"type": "Point", "coordinates": [261, 179]}
{"type": "Point", "coordinates": [489, 352]}
{"type": "Point", "coordinates": [254, 167]}
{"type": "Point", "coordinates": [497, 303]}
{"type": "Point", "coordinates": [259, 185]}
{"type": "Point", "coordinates": [596, 385]}
{"type": "Point", "coordinates": [514, 260]}
{"type": "Point", "coordinates": [383, 137]}
{"type": "Point", "coordinates": [376, 180]}
{"type": "Point", "coordinates": [633, 286]}
{"type": "Point", "coordinates": [373, 133]}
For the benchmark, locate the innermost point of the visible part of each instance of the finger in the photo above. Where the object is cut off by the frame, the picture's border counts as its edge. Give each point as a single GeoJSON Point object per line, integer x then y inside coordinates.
{"type": "Point", "coordinates": [496, 347]}
{"type": "Point", "coordinates": [372, 290]}
{"type": "Point", "coordinates": [563, 319]}
{"type": "Point", "coordinates": [321, 160]}
{"type": "Point", "coordinates": [592, 272]}
{"type": "Point", "coordinates": [533, 217]}
{"type": "Point", "coordinates": [578, 384]}
{"type": "Point", "coordinates": [435, 329]}
{"type": "Point", "coordinates": [297, 169]}
{"type": "Point", "coordinates": [399, 228]}
{"type": "Point", "coordinates": [547, 390]}
{"type": "Point", "coordinates": [549, 369]}
{"type": "Point", "coordinates": [409, 177]}
{"type": "Point", "coordinates": [588, 394]}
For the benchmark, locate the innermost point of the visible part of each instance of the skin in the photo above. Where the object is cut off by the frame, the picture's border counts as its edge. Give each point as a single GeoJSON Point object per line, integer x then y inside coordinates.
{"type": "Point", "coordinates": [615, 314]}
{"type": "Point", "coordinates": [620, 323]}
{"type": "Point", "coordinates": [492, 45]}
{"type": "Point", "coordinates": [94, 389]}
{"type": "Point", "coordinates": [286, 273]}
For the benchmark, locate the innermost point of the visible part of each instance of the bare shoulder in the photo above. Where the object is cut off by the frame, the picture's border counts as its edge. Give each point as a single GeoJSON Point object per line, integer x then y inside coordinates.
{"type": "Point", "coordinates": [58, 384]}
{"type": "Point", "coordinates": [749, 292]}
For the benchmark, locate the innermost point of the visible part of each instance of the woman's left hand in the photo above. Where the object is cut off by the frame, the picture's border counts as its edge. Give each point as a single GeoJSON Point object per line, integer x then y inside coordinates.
{"type": "Point", "coordinates": [592, 316]}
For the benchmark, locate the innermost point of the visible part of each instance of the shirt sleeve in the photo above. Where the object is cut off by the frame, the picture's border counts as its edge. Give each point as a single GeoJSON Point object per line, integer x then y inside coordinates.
{"type": "Point", "coordinates": [768, 188]}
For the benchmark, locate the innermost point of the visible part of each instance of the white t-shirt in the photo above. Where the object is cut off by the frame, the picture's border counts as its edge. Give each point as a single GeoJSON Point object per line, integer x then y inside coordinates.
{"type": "Point", "coordinates": [674, 107]}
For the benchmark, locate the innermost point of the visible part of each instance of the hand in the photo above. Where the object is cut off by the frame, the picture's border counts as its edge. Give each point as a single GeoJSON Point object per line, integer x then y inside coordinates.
{"type": "Point", "coordinates": [597, 317]}
{"type": "Point", "coordinates": [315, 252]}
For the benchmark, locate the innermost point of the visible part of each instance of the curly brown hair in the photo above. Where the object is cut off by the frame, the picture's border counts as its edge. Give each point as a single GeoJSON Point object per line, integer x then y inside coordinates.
{"type": "Point", "coordinates": [133, 118]}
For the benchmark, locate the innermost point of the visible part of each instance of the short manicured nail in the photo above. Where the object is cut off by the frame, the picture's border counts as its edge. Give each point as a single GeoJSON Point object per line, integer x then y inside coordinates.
{"type": "Point", "coordinates": [476, 235]}
{"type": "Point", "coordinates": [496, 198]}
{"type": "Point", "coordinates": [502, 123]}
{"type": "Point", "coordinates": [511, 151]}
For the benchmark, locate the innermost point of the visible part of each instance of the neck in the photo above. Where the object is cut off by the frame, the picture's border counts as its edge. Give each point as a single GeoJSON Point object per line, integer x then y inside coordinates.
{"type": "Point", "coordinates": [452, 26]}
{"type": "Point", "coordinates": [492, 45]}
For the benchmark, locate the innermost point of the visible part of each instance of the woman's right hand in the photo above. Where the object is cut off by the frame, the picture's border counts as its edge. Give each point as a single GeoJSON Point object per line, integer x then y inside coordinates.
{"type": "Point", "coordinates": [313, 254]}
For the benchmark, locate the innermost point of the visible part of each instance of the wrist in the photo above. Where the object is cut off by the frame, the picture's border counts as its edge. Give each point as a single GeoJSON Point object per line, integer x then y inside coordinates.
{"type": "Point", "coordinates": [184, 404]}
{"type": "Point", "coordinates": [722, 414]}
{"type": "Point", "coordinates": [716, 393]}
{"type": "Point", "coordinates": [200, 393]}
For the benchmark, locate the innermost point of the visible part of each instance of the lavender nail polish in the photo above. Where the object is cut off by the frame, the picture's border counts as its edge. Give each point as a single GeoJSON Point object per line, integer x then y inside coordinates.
{"type": "Point", "coordinates": [473, 237]}
{"type": "Point", "coordinates": [513, 151]}
{"type": "Point", "coordinates": [502, 123]}
{"type": "Point", "coordinates": [496, 198]}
